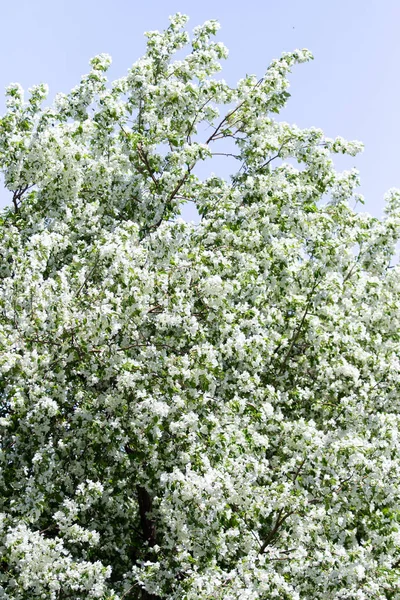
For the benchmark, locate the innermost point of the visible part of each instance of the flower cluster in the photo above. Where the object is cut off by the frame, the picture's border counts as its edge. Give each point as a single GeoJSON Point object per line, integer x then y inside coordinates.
{"type": "Point", "coordinates": [199, 412]}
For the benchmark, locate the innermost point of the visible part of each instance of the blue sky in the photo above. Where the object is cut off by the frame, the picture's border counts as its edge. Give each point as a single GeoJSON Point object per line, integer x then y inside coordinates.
{"type": "Point", "coordinates": [350, 89]}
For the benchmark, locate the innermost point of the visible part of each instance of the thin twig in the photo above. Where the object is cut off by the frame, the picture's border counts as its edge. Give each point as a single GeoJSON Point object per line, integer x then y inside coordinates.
{"type": "Point", "coordinates": [298, 330]}
{"type": "Point", "coordinates": [232, 112]}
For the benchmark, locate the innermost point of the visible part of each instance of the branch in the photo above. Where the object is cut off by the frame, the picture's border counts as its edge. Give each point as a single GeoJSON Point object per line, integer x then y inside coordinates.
{"type": "Point", "coordinates": [170, 198]}
{"type": "Point", "coordinates": [226, 154]}
{"type": "Point", "coordinates": [189, 133]}
{"type": "Point", "coordinates": [180, 351]}
{"type": "Point", "coordinates": [297, 473]}
{"type": "Point", "coordinates": [280, 519]}
{"type": "Point", "coordinates": [232, 112]}
{"type": "Point", "coordinates": [276, 155]}
{"type": "Point", "coordinates": [298, 330]}
{"type": "Point", "coordinates": [86, 280]}
{"type": "Point", "coordinates": [17, 196]}
{"type": "Point", "coordinates": [143, 157]}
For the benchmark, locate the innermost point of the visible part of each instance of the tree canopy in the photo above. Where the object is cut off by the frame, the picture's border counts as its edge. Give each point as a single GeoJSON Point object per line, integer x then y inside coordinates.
{"type": "Point", "coordinates": [192, 411]}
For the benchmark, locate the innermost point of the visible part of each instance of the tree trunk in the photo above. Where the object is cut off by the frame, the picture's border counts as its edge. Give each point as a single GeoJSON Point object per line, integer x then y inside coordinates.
{"type": "Point", "coordinates": [148, 528]}
{"type": "Point", "coordinates": [146, 522]}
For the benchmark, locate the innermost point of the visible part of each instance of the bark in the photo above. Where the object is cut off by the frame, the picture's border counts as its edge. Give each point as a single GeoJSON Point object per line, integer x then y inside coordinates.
{"type": "Point", "coordinates": [147, 525]}
{"type": "Point", "coordinates": [146, 522]}
{"type": "Point", "coordinates": [148, 528]}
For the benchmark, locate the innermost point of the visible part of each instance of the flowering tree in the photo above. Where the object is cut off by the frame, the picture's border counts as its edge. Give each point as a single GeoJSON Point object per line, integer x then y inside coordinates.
{"type": "Point", "coordinates": [192, 411]}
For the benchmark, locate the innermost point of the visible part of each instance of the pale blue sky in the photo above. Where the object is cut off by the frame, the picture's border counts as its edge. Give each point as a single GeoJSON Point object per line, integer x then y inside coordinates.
{"type": "Point", "coordinates": [350, 89]}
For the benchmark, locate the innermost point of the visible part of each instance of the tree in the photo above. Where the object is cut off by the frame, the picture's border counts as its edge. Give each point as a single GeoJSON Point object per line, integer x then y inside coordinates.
{"type": "Point", "coordinates": [189, 411]}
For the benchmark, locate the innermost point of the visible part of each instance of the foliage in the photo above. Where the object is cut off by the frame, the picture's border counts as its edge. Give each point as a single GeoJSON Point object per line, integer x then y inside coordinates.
{"type": "Point", "coordinates": [194, 412]}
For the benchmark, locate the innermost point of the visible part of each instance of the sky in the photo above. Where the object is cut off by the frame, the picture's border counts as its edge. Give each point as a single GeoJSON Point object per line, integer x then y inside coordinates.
{"type": "Point", "coordinates": [350, 89]}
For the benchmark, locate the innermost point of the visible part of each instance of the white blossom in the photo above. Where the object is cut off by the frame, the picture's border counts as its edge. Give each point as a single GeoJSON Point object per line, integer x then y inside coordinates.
{"type": "Point", "coordinates": [199, 411]}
